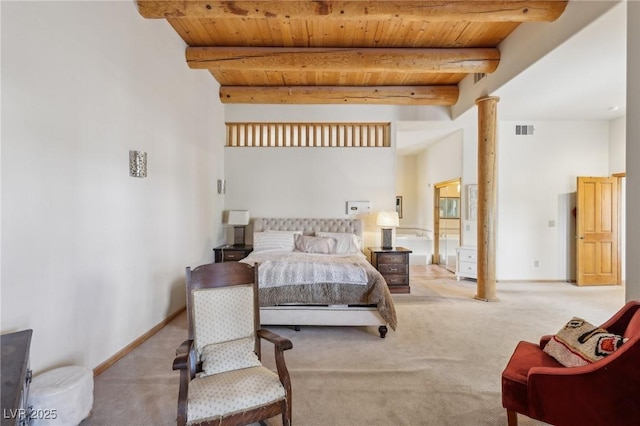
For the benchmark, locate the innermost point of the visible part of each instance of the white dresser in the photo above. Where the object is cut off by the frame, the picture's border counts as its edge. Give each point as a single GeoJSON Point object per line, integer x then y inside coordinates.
{"type": "Point", "coordinates": [467, 262]}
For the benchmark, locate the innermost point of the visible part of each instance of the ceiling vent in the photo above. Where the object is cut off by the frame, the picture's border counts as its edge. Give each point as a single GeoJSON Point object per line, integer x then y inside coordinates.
{"type": "Point", "coordinates": [524, 129]}
{"type": "Point", "coordinates": [478, 76]}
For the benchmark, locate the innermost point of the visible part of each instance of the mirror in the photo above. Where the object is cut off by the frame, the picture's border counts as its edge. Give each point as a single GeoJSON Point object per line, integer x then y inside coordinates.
{"type": "Point", "coordinates": [450, 208]}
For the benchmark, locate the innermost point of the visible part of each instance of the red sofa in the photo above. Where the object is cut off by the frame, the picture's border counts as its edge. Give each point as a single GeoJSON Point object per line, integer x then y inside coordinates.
{"type": "Point", "coordinates": [605, 392]}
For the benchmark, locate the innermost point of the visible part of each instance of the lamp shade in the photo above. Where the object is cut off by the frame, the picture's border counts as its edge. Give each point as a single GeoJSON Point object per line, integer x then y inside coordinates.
{"type": "Point", "coordinates": [388, 219]}
{"type": "Point", "coordinates": [238, 217]}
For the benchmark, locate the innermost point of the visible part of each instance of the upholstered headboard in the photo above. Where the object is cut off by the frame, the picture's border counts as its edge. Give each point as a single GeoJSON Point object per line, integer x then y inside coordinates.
{"type": "Point", "coordinates": [309, 226]}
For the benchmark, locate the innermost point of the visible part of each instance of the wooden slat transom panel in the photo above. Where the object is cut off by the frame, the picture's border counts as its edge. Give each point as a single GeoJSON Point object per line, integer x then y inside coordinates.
{"type": "Point", "coordinates": [308, 135]}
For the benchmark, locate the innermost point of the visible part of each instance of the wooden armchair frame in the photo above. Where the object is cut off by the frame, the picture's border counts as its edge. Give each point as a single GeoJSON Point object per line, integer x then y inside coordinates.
{"type": "Point", "coordinates": [226, 274]}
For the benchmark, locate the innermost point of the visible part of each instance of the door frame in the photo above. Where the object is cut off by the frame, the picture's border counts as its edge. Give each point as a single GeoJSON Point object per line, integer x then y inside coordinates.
{"type": "Point", "coordinates": [621, 224]}
{"type": "Point", "coordinates": [435, 257]}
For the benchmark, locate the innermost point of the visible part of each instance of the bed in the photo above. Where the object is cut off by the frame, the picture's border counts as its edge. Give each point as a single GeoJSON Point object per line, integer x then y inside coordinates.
{"type": "Point", "coordinates": [313, 272]}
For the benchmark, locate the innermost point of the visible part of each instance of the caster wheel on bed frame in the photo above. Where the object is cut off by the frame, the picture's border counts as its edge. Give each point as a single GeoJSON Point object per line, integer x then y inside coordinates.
{"type": "Point", "coordinates": [383, 331]}
{"type": "Point", "coordinates": [296, 327]}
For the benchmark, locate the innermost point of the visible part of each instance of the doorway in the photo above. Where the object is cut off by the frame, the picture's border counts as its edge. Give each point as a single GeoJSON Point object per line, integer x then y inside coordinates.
{"type": "Point", "coordinates": [446, 224]}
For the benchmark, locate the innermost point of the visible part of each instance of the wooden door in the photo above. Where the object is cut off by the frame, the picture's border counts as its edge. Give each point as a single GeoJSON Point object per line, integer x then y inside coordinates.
{"type": "Point", "coordinates": [597, 231]}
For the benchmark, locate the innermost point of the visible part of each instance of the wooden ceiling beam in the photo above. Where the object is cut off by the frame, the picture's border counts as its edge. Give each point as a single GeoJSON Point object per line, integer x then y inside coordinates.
{"type": "Point", "coordinates": [378, 95]}
{"type": "Point", "coordinates": [293, 59]}
{"type": "Point", "coordinates": [429, 10]}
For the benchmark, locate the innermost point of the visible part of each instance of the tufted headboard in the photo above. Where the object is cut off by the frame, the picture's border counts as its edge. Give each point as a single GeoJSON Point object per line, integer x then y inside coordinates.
{"type": "Point", "coordinates": [309, 226]}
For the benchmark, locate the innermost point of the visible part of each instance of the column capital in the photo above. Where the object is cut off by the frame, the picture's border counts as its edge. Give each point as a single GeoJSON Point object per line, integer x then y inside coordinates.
{"type": "Point", "coordinates": [487, 98]}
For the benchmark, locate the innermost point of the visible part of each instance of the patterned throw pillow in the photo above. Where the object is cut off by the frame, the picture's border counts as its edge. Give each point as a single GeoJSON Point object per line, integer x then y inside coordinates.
{"type": "Point", "coordinates": [233, 355]}
{"type": "Point", "coordinates": [581, 343]}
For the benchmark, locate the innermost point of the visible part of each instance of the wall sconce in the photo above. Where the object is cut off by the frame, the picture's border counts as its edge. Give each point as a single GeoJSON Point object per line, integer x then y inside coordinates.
{"type": "Point", "coordinates": [239, 219]}
{"type": "Point", "coordinates": [388, 221]}
{"type": "Point", "coordinates": [222, 186]}
{"type": "Point", "coordinates": [137, 164]}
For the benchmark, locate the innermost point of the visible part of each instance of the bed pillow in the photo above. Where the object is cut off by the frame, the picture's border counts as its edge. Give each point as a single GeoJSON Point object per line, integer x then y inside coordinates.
{"type": "Point", "coordinates": [345, 242]}
{"type": "Point", "coordinates": [307, 244]}
{"type": "Point", "coordinates": [580, 343]}
{"type": "Point", "coordinates": [274, 240]}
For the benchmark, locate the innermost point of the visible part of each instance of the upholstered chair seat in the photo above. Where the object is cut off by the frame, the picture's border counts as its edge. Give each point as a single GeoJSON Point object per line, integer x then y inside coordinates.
{"type": "Point", "coordinates": [217, 395]}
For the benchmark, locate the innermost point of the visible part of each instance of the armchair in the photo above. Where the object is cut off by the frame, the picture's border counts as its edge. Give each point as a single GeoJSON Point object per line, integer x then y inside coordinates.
{"type": "Point", "coordinates": [604, 392]}
{"type": "Point", "coordinates": [222, 380]}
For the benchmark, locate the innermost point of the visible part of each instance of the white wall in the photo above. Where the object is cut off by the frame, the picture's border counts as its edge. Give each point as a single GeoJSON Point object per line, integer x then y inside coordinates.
{"type": "Point", "coordinates": [536, 184]}
{"type": "Point", "coordinates": [525, 46]}
{"type": "Point", "coordinates": [617, 143]}
{"type": "Point", "coordinates": [407, 188]}
{"type": "Point", "coordinates": [93, 258]}
{"type": "Point", "coordinates": [324, 178]}
{"type": "Point", "coordinates": [441, 161]}
{"type": "Point", "coordinates": [311, 182]}
{"type": "Point", "coordinates": [469, 235]}
{"type": "Point", "coordinates": [315, 182]}
{"type": "Point", "coordinates": [633, 152]}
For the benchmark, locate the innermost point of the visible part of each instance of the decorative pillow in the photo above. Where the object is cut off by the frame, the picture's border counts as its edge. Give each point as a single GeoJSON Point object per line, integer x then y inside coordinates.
{"type": "Point", "coordinates": [232, 355]}
{"type": "Point", "coordinates": [274, 240]}
{"type": "Point", "coordinates": [345, 242]}
{"type": "Point", "coordinates": [324, 245]}
{"type": "Point", "coordinates": [581, 343]}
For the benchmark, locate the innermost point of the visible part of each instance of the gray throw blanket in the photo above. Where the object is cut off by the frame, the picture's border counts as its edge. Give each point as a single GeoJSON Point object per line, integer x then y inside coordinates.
{"type": "Point", "coordinates": [274, 273]}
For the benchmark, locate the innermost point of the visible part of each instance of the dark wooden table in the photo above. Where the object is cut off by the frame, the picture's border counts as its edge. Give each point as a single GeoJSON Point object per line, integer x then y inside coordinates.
{"type": "Point", "coordinates": [393, 264]}
{"type": "Point", "coordinates": [231, 253]}
{"type": "Point", "coordinates": [15, 376]}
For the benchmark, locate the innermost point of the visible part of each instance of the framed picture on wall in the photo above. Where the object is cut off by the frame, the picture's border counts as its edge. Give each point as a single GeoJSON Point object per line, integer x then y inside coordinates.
{"type": "Point", "coordinates": [472, 202]}
{"type": "Point", "coordinates": [399, 206]}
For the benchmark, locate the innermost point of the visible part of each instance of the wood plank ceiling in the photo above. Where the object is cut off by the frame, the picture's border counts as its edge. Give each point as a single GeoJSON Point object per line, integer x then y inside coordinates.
{"type": "Point", "coordinates": [342, 52]}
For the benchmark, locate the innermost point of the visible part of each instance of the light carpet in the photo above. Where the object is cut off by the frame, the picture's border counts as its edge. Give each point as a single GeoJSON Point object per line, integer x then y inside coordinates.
{"type": "Point", "coordinates": [441, 367]}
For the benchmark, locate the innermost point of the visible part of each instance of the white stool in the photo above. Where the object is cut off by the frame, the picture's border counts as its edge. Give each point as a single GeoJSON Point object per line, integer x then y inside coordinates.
{"type": "Point", "coordinates": [63, 396]}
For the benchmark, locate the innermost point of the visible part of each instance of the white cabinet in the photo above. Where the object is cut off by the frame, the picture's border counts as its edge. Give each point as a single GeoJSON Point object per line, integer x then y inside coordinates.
{"type": "Point", "coordinates": [467, 262]}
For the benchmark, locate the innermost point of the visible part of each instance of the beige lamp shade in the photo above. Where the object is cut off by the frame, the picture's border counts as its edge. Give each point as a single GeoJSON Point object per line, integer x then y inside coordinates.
{"type": "Point", "coordinates": [238, 217]}
{"type": "Point", "coordinates": [388, 219]}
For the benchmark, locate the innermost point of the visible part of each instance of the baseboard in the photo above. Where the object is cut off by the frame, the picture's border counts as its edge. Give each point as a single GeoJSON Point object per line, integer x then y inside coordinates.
{"type": "Point", "coordinates": [532, 281]}
{"type": "Point", "coordinates": [131, 346]}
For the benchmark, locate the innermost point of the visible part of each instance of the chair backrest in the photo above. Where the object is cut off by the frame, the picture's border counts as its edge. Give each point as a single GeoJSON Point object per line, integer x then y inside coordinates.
{"type": "Point", "coordinates": [222, 303]}
{"type": "Point", "coordinates": [633, 327]}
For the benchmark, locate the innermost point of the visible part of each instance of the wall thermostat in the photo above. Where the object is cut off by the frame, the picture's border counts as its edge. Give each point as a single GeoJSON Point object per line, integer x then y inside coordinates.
{"type": "Point", "coordinates": [358, 207]}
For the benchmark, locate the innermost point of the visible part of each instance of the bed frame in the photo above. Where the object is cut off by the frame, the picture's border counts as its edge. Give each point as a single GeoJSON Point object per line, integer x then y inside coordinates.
{"type": "Point", "coordinates": [319, 315]}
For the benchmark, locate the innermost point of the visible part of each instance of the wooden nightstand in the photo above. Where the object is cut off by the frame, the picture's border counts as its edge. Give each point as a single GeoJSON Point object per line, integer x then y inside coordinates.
{"type": "Point", "coordinates": [393, 264]}
{"type": "Point", "coordinates": [231, 253]}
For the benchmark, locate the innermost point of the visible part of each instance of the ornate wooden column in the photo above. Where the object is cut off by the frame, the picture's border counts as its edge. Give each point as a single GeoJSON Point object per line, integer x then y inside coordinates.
{"type": "Point", "coordinates": [487, 184]}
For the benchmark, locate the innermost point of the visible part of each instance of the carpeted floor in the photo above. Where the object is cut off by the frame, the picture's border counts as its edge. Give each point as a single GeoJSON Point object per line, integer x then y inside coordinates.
{"type": "Point", "coordinates": [441, 367]}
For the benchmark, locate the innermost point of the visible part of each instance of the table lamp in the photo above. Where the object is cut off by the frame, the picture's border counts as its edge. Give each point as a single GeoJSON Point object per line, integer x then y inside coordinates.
{"type": "Point", "coordinates": [239, 219]}
{"type": "Point", "coordinates": [387, 221]}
